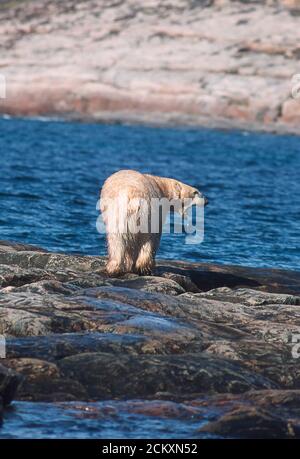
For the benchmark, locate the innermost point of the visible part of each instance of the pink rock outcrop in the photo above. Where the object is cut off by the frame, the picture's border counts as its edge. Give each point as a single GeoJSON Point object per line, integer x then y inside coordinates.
{"type": "Point", "coordinates": [179, 62]}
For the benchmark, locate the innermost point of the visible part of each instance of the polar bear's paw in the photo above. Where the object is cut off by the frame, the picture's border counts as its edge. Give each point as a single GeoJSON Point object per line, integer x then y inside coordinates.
{"type": "Point", "coordinates": [145, 271]}
{"type": "Point", "coordinates": [114, 269]}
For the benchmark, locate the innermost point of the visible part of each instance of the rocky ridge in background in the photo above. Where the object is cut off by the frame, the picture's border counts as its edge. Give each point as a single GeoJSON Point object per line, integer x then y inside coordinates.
{"type": "Point", "coordinates": [213, 63]}
{"type": "Point", "coordinates": [189, 338]}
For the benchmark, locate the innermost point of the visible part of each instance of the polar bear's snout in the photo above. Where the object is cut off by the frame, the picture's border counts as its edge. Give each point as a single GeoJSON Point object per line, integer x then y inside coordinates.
{"type": "Point", "coordinates": [203, 198]}
{"type": "Point", "coordinates": [199, 199]}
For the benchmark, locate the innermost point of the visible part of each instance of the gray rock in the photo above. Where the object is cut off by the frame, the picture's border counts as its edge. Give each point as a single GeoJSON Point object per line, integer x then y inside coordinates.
{"type": "Point", "coordinates": [150, 284]}
{"type": "Point", "coordinates": [250, 297]}
{"type": "Point", "coordinates": [197, 332]}
{"type": "Point", "coordinates": [145, 376]}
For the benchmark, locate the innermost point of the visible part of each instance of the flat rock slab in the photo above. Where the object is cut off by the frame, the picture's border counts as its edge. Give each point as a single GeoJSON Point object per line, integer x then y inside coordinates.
{"type": "Point", "coordinates": [204, 336]}
{"type": "Point", "coordinates": [250, 297]}
{"type": "Point", "coordinates": [150, 284]}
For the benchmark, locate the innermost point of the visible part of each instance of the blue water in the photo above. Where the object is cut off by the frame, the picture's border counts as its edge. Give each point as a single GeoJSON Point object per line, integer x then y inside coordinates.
{"type": "Point", "coordinates": [51, 174]}
{"type": "Point", "coordinates": [102, 420]}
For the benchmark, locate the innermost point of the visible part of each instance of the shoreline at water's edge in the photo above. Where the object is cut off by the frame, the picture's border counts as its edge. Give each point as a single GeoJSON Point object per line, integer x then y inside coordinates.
{"type": "Point", "coordinates": [156, 120]}
{"type": "Point", "coordinates": [20, 246]}
{"type": "Point", "coordinates": [205, 275]}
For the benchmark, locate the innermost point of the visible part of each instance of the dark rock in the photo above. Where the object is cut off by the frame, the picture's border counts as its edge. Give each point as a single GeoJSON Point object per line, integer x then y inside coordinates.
{"type": "Point", "coordinates": [250, 422]}
{"type": "Point", "coordinates": [43, 382]}
{"type": "Point", "coordinates": [208, 276]}
{"type": "Point", "coordinates": [10, 246]}
{"type": "Point", "coordinates": [9, 383]}
{"type": "Point", "coordinates": [107, 376]}
{"type": "Point", "coordinates": [55, 347]}
{"type": "Point", "coordinates": [111, 375]}
{"type": "Point", "coordinates": [255, 414]}
{"type": "Point", "coordinates": [184, 281]}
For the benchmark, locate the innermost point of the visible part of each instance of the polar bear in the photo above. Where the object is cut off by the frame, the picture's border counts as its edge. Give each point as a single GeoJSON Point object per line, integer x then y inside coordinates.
{"type": "Point", "coordinates": [126, 201]}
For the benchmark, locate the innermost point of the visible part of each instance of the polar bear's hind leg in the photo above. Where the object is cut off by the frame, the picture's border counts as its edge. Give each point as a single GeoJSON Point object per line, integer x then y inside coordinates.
{"type": "Point", "coordinates": [116, 255]}
{"type": "Point", "coordinates": [145, 262]}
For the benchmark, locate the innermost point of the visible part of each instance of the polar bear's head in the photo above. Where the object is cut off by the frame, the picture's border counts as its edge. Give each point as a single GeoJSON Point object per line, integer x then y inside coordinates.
{"type": "Point", "coordinates": [180, 195]}
{"type": "Point", "coordinates": [188, 194]}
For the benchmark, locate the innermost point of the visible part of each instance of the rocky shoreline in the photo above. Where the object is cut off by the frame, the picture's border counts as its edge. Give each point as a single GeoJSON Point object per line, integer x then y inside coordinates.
{"type": "Point", "coordinates": [209, 63]}
{"type": "Point", "coordinates": [188, 338]}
